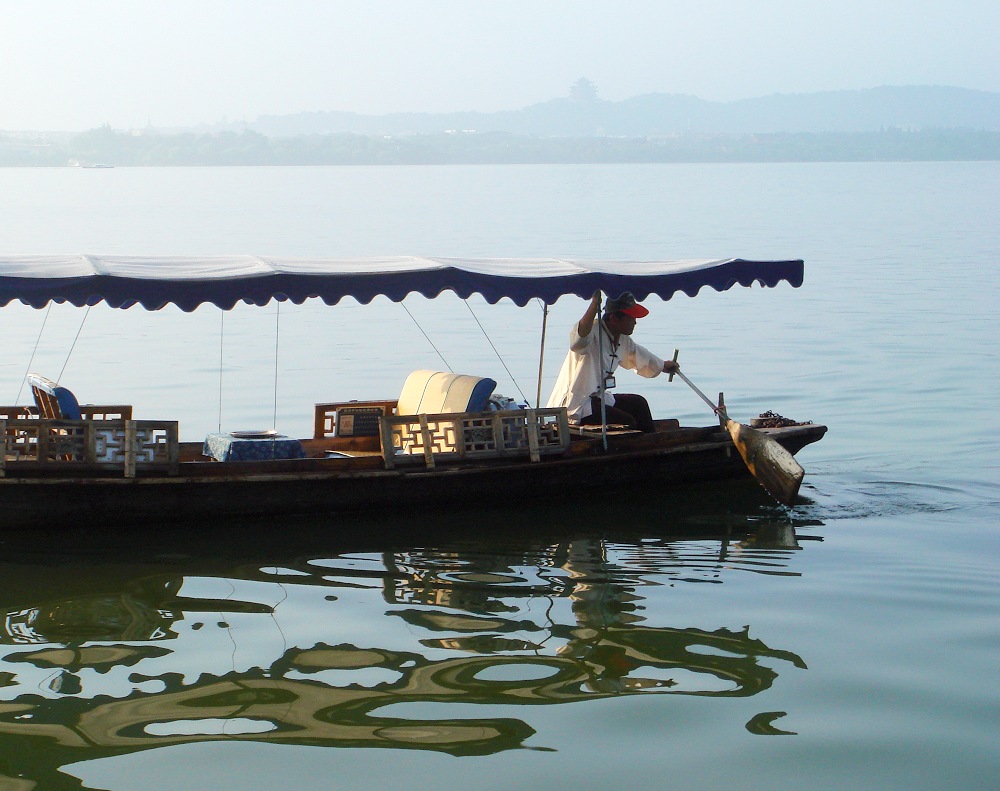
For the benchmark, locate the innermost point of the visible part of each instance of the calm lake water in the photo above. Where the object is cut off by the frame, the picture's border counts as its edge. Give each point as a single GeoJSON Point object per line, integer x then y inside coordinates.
{"type": "Point", "coordinates": [693, 638]}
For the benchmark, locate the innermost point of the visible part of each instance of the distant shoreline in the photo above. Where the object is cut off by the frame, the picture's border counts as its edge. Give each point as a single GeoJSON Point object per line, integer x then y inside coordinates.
{"type": "Point", "coordinates": [123, 149]}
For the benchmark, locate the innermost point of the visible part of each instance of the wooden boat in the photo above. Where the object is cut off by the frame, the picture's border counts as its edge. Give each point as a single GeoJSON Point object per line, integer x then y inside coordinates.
{"type": "Point", "coordinates": [439, 442]}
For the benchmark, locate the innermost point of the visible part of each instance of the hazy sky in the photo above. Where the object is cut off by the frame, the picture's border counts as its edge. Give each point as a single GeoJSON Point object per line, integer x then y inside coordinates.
{"type": "Point", "coordinates": [77, 64]}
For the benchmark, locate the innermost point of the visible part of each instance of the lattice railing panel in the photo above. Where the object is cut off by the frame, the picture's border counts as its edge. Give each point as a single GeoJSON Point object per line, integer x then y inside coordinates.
{"type": "Point", "coordinates": [553, 429]}
{"type": "Point", "coordinates": [18, 412]}
{"type": "Point", "coordinates": [474, 435]}
{"type": "Point", "coordinates": [477, 433]}
{"type": "Point", "coordinates": [106, 411]}
{"type": "Point", "coordinates": [45, 440]}
{"type": "Point", "coordinates": [151, 442]}
{"type": "Point", "coordinates": [101, 444]}
{"type": "Point", "coordinates": [329, 419]}
{"type": "Point", "coordinates": [66, 443]}
{"type": "Point", "coordinates": [20, 443]}
{"type": "Point", "coordinates": [439, 437]}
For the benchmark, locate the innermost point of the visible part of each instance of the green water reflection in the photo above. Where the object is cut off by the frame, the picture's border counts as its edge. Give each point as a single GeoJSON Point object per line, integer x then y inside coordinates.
{"type": "Point", "coordinates": [361, 649]}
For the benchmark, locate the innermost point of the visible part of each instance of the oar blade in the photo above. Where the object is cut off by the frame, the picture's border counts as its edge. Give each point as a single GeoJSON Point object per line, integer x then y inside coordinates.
{"type": "Point", "coordinates": [774, 467]}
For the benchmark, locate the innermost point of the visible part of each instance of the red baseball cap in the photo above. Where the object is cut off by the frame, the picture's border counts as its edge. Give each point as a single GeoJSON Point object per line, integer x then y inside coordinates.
{"type": "Point", "coordinates": [625, 304]}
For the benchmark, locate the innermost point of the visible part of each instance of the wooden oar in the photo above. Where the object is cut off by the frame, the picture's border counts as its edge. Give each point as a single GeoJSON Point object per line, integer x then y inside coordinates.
{"type": "Point", "coordinates": [774, 467]}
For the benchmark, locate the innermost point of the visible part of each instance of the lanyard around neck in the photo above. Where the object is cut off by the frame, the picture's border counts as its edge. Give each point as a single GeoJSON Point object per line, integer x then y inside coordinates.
{"type": "Point", "coordinates": [613, 346]}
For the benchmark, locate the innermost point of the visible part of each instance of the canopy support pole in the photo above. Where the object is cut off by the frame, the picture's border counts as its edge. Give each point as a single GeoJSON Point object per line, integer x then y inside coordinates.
{"type": "Point", "coordinates": [277, 327]}
{"type": "Point", "coordinates": [541, 355]}
{"type": "Point", "coordinates": [222, 337]}
{"type": "Point", "coordinates": [604, 374]}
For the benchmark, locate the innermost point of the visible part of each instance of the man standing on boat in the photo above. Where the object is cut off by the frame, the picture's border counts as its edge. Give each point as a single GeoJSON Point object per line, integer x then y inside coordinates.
{"type": "Point", "coordinates": [588, 371]}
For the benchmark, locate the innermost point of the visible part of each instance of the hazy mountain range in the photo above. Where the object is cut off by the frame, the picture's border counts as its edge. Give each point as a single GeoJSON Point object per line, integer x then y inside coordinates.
{"type": "Point", "coordinates": [909, 108]}
{"type": "Point", "coordinates": [881, 124]}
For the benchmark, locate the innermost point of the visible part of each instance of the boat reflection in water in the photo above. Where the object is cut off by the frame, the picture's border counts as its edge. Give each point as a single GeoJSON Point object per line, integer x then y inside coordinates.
{"type": "Point", "coordinates": [332, 650]}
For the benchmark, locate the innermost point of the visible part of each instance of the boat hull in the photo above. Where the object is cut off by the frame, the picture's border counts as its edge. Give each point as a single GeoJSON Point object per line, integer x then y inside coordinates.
{"type": "Point", "coordinates": [203, 492]}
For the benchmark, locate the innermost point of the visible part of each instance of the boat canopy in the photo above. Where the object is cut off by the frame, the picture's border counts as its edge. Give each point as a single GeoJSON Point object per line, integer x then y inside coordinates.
{"type": "Point", "coordinates": [187, 282]}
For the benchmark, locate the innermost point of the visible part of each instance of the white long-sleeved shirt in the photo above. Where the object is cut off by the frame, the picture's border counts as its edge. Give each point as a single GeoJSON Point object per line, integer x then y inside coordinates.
{"type": "Point", "coordinates": [580, 376]}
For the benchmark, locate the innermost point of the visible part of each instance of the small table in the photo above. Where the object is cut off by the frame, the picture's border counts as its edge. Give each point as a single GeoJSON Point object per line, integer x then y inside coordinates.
{"type": "Point", "coordinates": [252, 446]}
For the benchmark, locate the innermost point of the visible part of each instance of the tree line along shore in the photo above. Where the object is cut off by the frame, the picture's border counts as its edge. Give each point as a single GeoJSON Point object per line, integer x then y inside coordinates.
{"type": "Point", "coordinates": [247, 147]}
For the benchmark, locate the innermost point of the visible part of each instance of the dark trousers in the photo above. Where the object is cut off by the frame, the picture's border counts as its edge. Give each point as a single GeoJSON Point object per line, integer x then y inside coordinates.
{"type": "Point", "coordinates": [629, 410]}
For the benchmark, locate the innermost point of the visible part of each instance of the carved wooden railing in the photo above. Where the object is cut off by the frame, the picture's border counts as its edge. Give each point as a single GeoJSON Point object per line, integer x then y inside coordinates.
{"type": "Point", "coordinates": [31, 444]}
{"type": "Point", "coordinates": [473, 435]}
{"type": "Point", "coordinates": [349, 418]}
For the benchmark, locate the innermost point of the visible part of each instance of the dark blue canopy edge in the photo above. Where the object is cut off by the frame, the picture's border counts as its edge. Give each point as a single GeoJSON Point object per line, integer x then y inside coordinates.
{"type": "Point", "coordinates": [333, 284]}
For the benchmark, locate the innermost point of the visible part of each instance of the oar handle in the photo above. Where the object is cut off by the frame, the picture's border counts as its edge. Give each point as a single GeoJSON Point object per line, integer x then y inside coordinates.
{"type": "Point", "coordinates": [671, 377]}
{"type": "Point", "coordinates": [715, 407]}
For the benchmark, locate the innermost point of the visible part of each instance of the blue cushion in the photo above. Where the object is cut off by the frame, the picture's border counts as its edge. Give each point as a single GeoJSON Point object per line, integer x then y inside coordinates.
{"type": "Point", "coordinates": [69, 407]}
{"type": "Point", "coordinates": [480, 399]}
